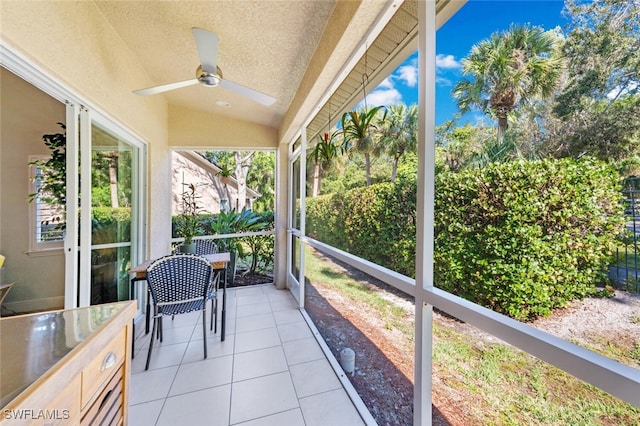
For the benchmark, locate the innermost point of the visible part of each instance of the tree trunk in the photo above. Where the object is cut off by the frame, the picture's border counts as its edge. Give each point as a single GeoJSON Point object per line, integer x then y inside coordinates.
{"type": "Point", "coordinates": [113, 179]}
{"type": "Point", "coordinates": [317, 175]}
{"type": "Point", "coordinates": [242, 169]}
{"type": "Point", "coordinates": [367, 167]}
{"type": "Point", "coordinates": [394, 169]}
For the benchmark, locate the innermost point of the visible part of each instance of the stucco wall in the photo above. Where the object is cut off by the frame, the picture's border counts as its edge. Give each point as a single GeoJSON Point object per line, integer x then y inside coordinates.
{"type": "Point", "coordinates": [192, 128]}
{"type": "Point", "coordinates": [72, 43]}
{"type": "Point", "coordinates": [26, 114]}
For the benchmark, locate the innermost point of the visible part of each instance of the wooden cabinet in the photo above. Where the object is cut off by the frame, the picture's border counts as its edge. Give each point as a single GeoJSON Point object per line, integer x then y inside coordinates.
{"type": "Point", "coordinates": [87, 385]}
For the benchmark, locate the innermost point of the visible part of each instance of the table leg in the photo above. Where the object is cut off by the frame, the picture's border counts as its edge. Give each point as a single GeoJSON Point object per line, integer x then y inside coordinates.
{"type": "Point", "coordinates": [224, 304]}
{"type": "Point", "coordinates": [132, 295]}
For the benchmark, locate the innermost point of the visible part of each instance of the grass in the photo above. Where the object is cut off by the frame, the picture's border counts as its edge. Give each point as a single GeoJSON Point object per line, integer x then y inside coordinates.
{"type": "Point", "coordinates": [503, 385]}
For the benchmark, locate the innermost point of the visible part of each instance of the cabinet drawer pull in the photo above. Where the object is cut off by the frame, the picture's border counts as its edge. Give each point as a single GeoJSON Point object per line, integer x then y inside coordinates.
{"type": "Point", "coordinates": [109, 361]}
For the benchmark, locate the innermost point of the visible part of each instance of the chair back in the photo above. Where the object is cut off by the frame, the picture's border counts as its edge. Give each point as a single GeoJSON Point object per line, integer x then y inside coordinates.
{"type": "Point", "coordinates": [178, 277]}
{"type": "Point", "coordinates": [206, 247]}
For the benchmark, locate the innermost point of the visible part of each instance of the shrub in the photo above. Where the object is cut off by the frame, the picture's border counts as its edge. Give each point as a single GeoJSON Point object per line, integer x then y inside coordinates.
{"type": "Point", "coordinates": [523, 238]}
{"type": "Point", "coordinates": [376, 223]}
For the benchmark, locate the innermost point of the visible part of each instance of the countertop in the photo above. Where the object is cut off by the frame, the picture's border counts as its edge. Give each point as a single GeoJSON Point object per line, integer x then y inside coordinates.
{"type": "Point", "coordinates": [30, 345]}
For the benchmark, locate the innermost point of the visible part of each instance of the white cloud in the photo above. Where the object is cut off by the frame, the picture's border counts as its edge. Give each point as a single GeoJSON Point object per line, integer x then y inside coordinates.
{"type": "Point", "coordinates": [441, 81]}
{"type": "Point", "coordinates": [386, 84]}
{"type": "Point", "coordinates": [447, 62]}
{"type": "Point", "coordinates": [408, 74]}
{"type": "Point", "coordinates": [384, 96]}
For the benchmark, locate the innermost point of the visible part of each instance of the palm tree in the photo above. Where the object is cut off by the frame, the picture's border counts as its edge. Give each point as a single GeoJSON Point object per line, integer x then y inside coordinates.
{"type": "Point", "coordinates": [398, 134]}
{"type": "Point", "coordinates": [508, 69]}
{"type": "Point", "coordinates": [358, 130]}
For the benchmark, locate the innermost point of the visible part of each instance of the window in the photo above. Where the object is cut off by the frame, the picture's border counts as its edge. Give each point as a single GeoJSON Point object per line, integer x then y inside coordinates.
{"type": "Point", "coordinates": [47, 219]}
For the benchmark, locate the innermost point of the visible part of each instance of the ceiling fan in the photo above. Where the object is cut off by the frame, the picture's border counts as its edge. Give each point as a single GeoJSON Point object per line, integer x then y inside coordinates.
{"type": "Point", "coordinates": [208, 73]}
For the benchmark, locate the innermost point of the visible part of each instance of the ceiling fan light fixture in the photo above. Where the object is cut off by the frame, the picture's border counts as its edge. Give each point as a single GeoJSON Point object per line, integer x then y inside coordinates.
{"type": "Point", "coordinates": [207, 78]}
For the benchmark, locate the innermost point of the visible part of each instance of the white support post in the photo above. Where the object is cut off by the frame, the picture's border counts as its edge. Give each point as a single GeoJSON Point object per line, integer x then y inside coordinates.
{"type": "Point", "coordinates": [303, 212]}
{"type": "Point", "coordinates": [85, 208]}
{"type": "Point", "coordinates": [424, 206]}
{"type": "Point", "coordinates": [71, 212]}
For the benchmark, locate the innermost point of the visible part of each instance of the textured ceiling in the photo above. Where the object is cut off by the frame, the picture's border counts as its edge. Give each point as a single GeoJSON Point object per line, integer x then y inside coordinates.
{"type": "Point", "coordinates": [264, 45]}
{"type": "Point", "coordinates": [275, 47]}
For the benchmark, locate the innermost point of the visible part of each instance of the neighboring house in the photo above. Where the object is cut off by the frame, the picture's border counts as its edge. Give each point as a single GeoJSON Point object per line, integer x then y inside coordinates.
{"type": "Point", "coordinates": [188, 167]}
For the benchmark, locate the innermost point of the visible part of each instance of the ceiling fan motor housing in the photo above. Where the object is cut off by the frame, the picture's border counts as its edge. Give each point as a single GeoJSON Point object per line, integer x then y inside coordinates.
{"type": "Point", "coordinates": [207, 78]}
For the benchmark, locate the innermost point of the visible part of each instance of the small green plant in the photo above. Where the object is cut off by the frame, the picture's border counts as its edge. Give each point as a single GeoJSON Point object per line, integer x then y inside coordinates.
{"type": "Point", "coordinates": [357, 127]}
{"type": "Point", "coordinates": [225, 173]}
{"type": "Point", "coordinates": [326, 150]}
{"type": "Point", "coordinates": [52, 177]}
{"type": "Point", "coordinates": [188, 223]}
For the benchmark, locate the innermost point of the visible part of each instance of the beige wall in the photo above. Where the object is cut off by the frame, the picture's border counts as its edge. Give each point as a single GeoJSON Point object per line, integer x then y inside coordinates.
{"type": "Point", "coordinates": [71, 42]}
{"type": "Point", "coordinates": [191, 128]}
{"type": "Point", "coordinates": [26, 114]}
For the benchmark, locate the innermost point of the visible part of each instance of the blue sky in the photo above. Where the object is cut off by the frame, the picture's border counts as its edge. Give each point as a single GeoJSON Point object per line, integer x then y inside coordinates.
{"type": "Point", "coordinates": [475, 21]}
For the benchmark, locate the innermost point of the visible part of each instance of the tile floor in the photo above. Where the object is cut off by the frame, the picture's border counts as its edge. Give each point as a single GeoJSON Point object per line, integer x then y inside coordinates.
{"type": "Point", "coordinates": [269, 370]}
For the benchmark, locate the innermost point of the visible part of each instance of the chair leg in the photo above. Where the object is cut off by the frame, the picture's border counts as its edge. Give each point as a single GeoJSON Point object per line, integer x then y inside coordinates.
{"type": "Point", "coordinates": [153, 332]}
{"type": "Point", "coordinates": [215, 315]}
{"type": "Point", "coordinates": [204, 326]}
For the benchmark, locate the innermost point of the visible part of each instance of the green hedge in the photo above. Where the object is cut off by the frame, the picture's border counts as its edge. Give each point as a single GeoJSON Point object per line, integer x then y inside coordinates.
{"type": "Point", "coordinates": [377, 223]}
{"type": "Point", "coordinates": [521, 238]}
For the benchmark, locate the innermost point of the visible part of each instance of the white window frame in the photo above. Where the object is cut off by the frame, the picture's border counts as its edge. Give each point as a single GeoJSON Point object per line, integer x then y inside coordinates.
{"type": "Point", "coordinates": [37, 247]}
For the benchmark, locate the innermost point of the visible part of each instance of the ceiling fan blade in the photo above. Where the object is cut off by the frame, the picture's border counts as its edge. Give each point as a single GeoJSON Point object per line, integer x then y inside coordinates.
{"type": "Point", "coordinates": [249, 93]}
{"type": "Point", "coordinates": [165, 87]}
{"type": "Point", "coordinates": [207, 44]}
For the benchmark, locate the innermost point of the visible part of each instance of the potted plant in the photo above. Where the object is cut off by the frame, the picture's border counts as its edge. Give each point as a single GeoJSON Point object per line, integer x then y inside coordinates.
{"type": "Point", "coordinates": [225, 173]}
{"type": "Point", "coordinates": [188, 223]}
{"type": "Point", "coordinates": [356, 130]}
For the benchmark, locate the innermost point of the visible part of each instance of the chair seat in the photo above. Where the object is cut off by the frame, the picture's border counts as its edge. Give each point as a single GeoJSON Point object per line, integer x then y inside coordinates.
{"type": "Point", "coordinates": [180, 308]}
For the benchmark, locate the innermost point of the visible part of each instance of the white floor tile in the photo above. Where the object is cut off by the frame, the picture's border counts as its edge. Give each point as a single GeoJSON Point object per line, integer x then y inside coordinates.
{"type": "Point", "coordinates": [287, 316]}
{"type": "Point", "coordinates": [254, 309]}
{"type": "Point", "coordinates": [257, 339]}
{"type": "Point", "coordinates": [313, 377]}
{"type": "Point", "coordinates": [161, 357]}
{"type": "Point", "coordinates": [303, 350]}
{"type": "Point", "coordinates": [254, 322]}
{"type": "Point", "coordinates": [208, 407]}
{"type": "Point", "coordinates": [262, 397]}
{"type": "Point", "coordinates": [200, 375]}
{"type": "Point", "coordinates": [176, 334]}
{"type": "Point", "coordinates": [287, 418]}
{"type": "Point", "coordinates": [250, 299]}
{"type": "Point", "coordinates": [215, 348]}
{"type": "Point", "coordinates": [330, 409]}
{"type": "Point", "coordinates": [270, 370]}
{"type": "Point", "coordinates": [294, 331]}
{"type": "Point", "coordinates": [145, 414]}
{"type": "Point", "coordinates": [248, 365]}
{"type": "Point", "coordinates": [151, 385]}
{"type": "Point", "coordinates": [283, 305]}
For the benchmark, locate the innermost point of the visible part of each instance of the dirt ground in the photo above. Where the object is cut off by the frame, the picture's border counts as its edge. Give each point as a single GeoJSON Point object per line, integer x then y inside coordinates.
{"type": "Point", "coordinates": [384, 358]}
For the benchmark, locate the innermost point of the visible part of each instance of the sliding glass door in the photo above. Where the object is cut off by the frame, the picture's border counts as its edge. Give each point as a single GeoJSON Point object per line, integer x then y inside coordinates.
{"type": "Point", "coordinates": [113, 172]}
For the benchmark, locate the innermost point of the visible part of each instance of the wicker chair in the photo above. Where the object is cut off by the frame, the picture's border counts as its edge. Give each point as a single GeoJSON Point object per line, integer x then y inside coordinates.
{"type": "Point", "coordinates": [206, 247]}
{"type": "Point", "coordinates": [209, 247]}
{"type": "Point", "coordinates": [179, 284]}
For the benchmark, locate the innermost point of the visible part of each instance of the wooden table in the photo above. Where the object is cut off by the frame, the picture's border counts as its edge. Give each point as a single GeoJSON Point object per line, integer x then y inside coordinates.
{"type": "Point", "coordinates": [218, 262]}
